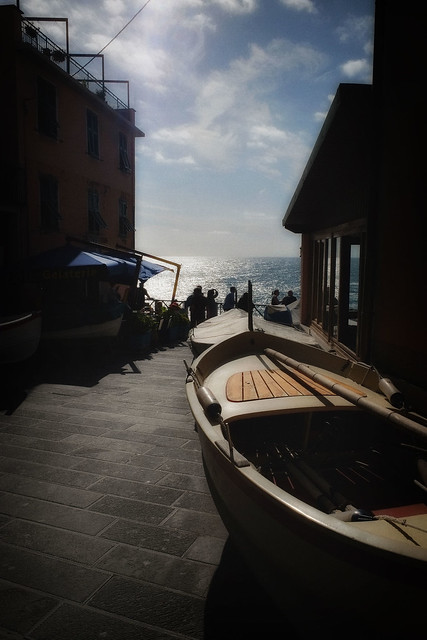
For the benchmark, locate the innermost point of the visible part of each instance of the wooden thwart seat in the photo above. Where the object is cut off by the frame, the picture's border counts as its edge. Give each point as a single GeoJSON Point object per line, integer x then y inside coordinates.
{"type": "Point", "coordinates": [272, 383]}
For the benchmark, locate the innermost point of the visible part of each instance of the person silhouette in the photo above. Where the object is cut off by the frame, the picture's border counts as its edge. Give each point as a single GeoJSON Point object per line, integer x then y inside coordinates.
{"type": "Point", "coordinates": [275, 297]}
{"type": "Point", "coordinates": [289, 298]}
{"type": "Point", "coordinates": [230, 299]}
{"type": "Point", "coordinates": [197, 307]}
{"type": "Point", "coordinates": [211, 304]}
{"type": "Point", "coordinates": [243, 302]}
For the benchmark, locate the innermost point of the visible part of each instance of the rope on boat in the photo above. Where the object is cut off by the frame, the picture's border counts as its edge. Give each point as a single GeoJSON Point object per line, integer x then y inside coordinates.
{"type": "Point", "coordinates": [350, 395]}
{"type": "Point", "coordinates": [398, 523]}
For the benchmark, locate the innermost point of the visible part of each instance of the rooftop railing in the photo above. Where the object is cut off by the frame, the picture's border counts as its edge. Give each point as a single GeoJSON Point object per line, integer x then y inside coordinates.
{"type": "Point", "coordinates": [33, 36]}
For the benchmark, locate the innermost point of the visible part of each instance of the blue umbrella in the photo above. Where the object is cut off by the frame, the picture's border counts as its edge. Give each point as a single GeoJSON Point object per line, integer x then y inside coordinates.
{"type": "Point", "coordinates": [60, 261]}
{"type": "Point", "coordinates": [150, 269]}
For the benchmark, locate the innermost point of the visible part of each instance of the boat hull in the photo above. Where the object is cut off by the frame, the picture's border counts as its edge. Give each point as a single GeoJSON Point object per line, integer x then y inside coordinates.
{"type": "Point", "coordinates": [235, 321]}
{"type": "Point", "coordinates": [308, 571]}
{"type": "Point", "coordinates": [19, 336]}
{"type": "Point", "coordinates": [314, 566]}
{"type": "Point", "coordinates": [108, 329]}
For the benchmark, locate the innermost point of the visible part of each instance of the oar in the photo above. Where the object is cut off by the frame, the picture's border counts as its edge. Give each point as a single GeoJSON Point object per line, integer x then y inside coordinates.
{"type": "Point", "coordinates": [321, 492]}
{"type": "Point", "coordinates": [317, 494]}
{"type": "Point", "coordinates": [339, 500]}
{"type": "Point", "coordinates": [350, 395]}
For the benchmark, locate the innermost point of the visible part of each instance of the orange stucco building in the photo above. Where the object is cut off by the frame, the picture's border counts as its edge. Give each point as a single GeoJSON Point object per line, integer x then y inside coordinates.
{"type": "Point", "coordinates": [68, 160]}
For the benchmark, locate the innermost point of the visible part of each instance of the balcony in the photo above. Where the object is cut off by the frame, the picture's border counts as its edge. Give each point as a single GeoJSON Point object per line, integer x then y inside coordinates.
{"type": "Point", "coordinates": [69, 63]}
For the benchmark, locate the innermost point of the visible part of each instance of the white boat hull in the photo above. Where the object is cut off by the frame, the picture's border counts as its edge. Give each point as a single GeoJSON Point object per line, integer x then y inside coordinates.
{"type": "Point", "coordinates": [108, 329]}
{"type": "Point", "coordinates": [315, 566]}
{"type": "Point", "coordinates": [235, 321]}
{"type": "Point", "coordinates": [19, 336]}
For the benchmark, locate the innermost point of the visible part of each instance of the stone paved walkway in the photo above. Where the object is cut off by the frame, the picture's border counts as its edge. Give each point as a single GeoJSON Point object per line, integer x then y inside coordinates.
{"type": "Point", "coordinates": [107, 527]}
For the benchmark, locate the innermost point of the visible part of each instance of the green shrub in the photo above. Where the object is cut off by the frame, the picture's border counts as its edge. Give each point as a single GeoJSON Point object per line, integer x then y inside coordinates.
{"type": "Point", "coordinates": [175, 318]}
{"type": "Point", "coordinates": [142, 322]}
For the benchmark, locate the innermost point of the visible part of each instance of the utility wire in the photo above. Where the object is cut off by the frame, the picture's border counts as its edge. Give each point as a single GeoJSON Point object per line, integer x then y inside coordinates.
{"type": "Point", "coordinates": [121, 30]}
{"type": "Point", "coordinates": [116, 36]}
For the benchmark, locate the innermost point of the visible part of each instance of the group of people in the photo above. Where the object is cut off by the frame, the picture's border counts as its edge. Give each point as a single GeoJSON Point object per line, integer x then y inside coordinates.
{"type": "Point", "coordinates": [285, 300]}
{"type": "Point", "coordinates": [202, 307]}
{"type": "Point", "coordinates": [231, 301]}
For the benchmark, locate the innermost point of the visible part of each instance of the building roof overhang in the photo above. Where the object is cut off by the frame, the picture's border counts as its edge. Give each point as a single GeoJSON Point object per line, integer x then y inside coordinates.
{"type": "Point", "coordinates": [334, 187]}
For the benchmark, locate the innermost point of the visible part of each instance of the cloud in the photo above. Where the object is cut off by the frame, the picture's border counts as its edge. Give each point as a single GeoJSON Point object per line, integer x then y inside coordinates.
{"type": "Point", "coordinates": [237, 6]}
{"type": "Point", "coordinates": [160, 159]}
{"type": "Point", "coordinates": [358, 28]}
{"type": "Point", "coordinates": [319, 116]}
{"type": "Point", "coordinates": [229, 122]}
{"type": "Point", "coordinates": [356, 69]}
{"type": "Point", "coordinates": [270, 147]}
{"type": "Point", "coordinates": [300, 5]}
{"type": "Point", "coordinates": [230, 113]}
{"type": "Point", "coordinates": [264, 135]}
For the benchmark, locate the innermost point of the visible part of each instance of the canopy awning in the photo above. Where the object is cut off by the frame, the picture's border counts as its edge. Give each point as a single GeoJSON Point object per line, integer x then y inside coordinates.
{"type": "Point", "coordinates": [68, 261]}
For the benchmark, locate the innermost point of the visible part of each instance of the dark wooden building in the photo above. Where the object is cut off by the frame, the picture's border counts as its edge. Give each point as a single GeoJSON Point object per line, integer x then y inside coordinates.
{"type": "Point", "coordinates": [360, 210]}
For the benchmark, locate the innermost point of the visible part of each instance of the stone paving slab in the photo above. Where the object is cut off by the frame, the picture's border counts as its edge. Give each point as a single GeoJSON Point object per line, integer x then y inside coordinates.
{"type": "Point", "coordinates": [107, 526]}
{"type": "Point", "coordinates": [52, 513]}
{"type": "Point", "coordinates": [53, 576]}
{"type": "Point", "coordinates": [48, 491]}
{"type": "Point", "coordinates": [162, 608]}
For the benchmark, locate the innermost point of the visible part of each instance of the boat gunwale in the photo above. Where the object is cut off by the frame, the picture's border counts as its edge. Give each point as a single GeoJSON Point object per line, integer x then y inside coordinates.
{"type": "Point", "coordinates": [279, 498]}
{"type": "Point", "coordinates": [18, 320]}
{"type": "Point", "coordinates": [208, 364]}
{"type": "Point", "coordinates": [396, 561]}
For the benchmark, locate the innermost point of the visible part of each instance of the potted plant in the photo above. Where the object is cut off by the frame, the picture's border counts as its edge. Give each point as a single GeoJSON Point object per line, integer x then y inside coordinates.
{"type": "Point", "coordinates": [31, 31]}
{"type": "Point", "coordinates": [140, 328]}
{"type": "Point", "coordinates": [177, 324]}
{"type": "Point", "coordinates": [58, 56]}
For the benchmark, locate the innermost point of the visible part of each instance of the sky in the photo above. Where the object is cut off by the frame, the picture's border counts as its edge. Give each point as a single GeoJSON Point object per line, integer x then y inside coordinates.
{"type": "Point", "coordinates": [231, 96]}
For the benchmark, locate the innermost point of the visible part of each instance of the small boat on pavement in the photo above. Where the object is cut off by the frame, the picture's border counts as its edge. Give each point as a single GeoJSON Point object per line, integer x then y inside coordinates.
{"type": "Point", "coordinates": [68, 321]}
{"type": "Point", "coordinates": [106, 329]}
{"type": "Point", "coordinates": [319, 473]}
{"type": "Point", "coordinates": [19, 336]}
{"type": "Point", "coordinates": [235, 321]}
{"type": "Point", "coordinates": [279, 313]}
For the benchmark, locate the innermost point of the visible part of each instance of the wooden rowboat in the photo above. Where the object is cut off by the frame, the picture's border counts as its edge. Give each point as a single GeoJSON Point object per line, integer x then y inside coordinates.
{"type": "Point", "coordinates": [319, 474]}
{"type": "Point", "coordinates": [107, 329]}
{"type": "Point", "coordinates": [19, 336]}
{"type": "Point", "coordinates": [80, 322]}
{"type": "Point", "coordinates": [235, 321]}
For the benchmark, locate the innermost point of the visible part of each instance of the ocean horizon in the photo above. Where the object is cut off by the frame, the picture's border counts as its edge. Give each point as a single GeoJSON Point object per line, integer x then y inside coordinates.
{"type": "Point", "coordinates": [265, 274]}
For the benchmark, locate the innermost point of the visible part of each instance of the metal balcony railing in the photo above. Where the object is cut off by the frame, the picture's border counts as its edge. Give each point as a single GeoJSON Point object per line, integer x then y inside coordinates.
{"type": "Point", "coordinates": [32, 35]}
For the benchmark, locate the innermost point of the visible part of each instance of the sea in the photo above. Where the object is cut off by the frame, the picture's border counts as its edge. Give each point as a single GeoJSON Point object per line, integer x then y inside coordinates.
{"type": "Point", "coordinates": [265, 274]}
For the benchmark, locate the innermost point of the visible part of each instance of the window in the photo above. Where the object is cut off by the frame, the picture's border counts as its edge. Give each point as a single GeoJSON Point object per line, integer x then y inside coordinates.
{"type": "Point", "coordinates": [336, 287]}
{"type": "Point", "coordinates": [349, 307]}
{"type": "Point", "coordinates": [124, 163]}
{"type": "Point", "coordinates": [96, 221]}
{"type": "Point", "coordinates": [92, 134]}
{"type": "Point", "coordinates": [49, 207]}
{"type": "Point", "coordinates": [46, 108]}
{"type": "Point", "coordinates": [125, 225]}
